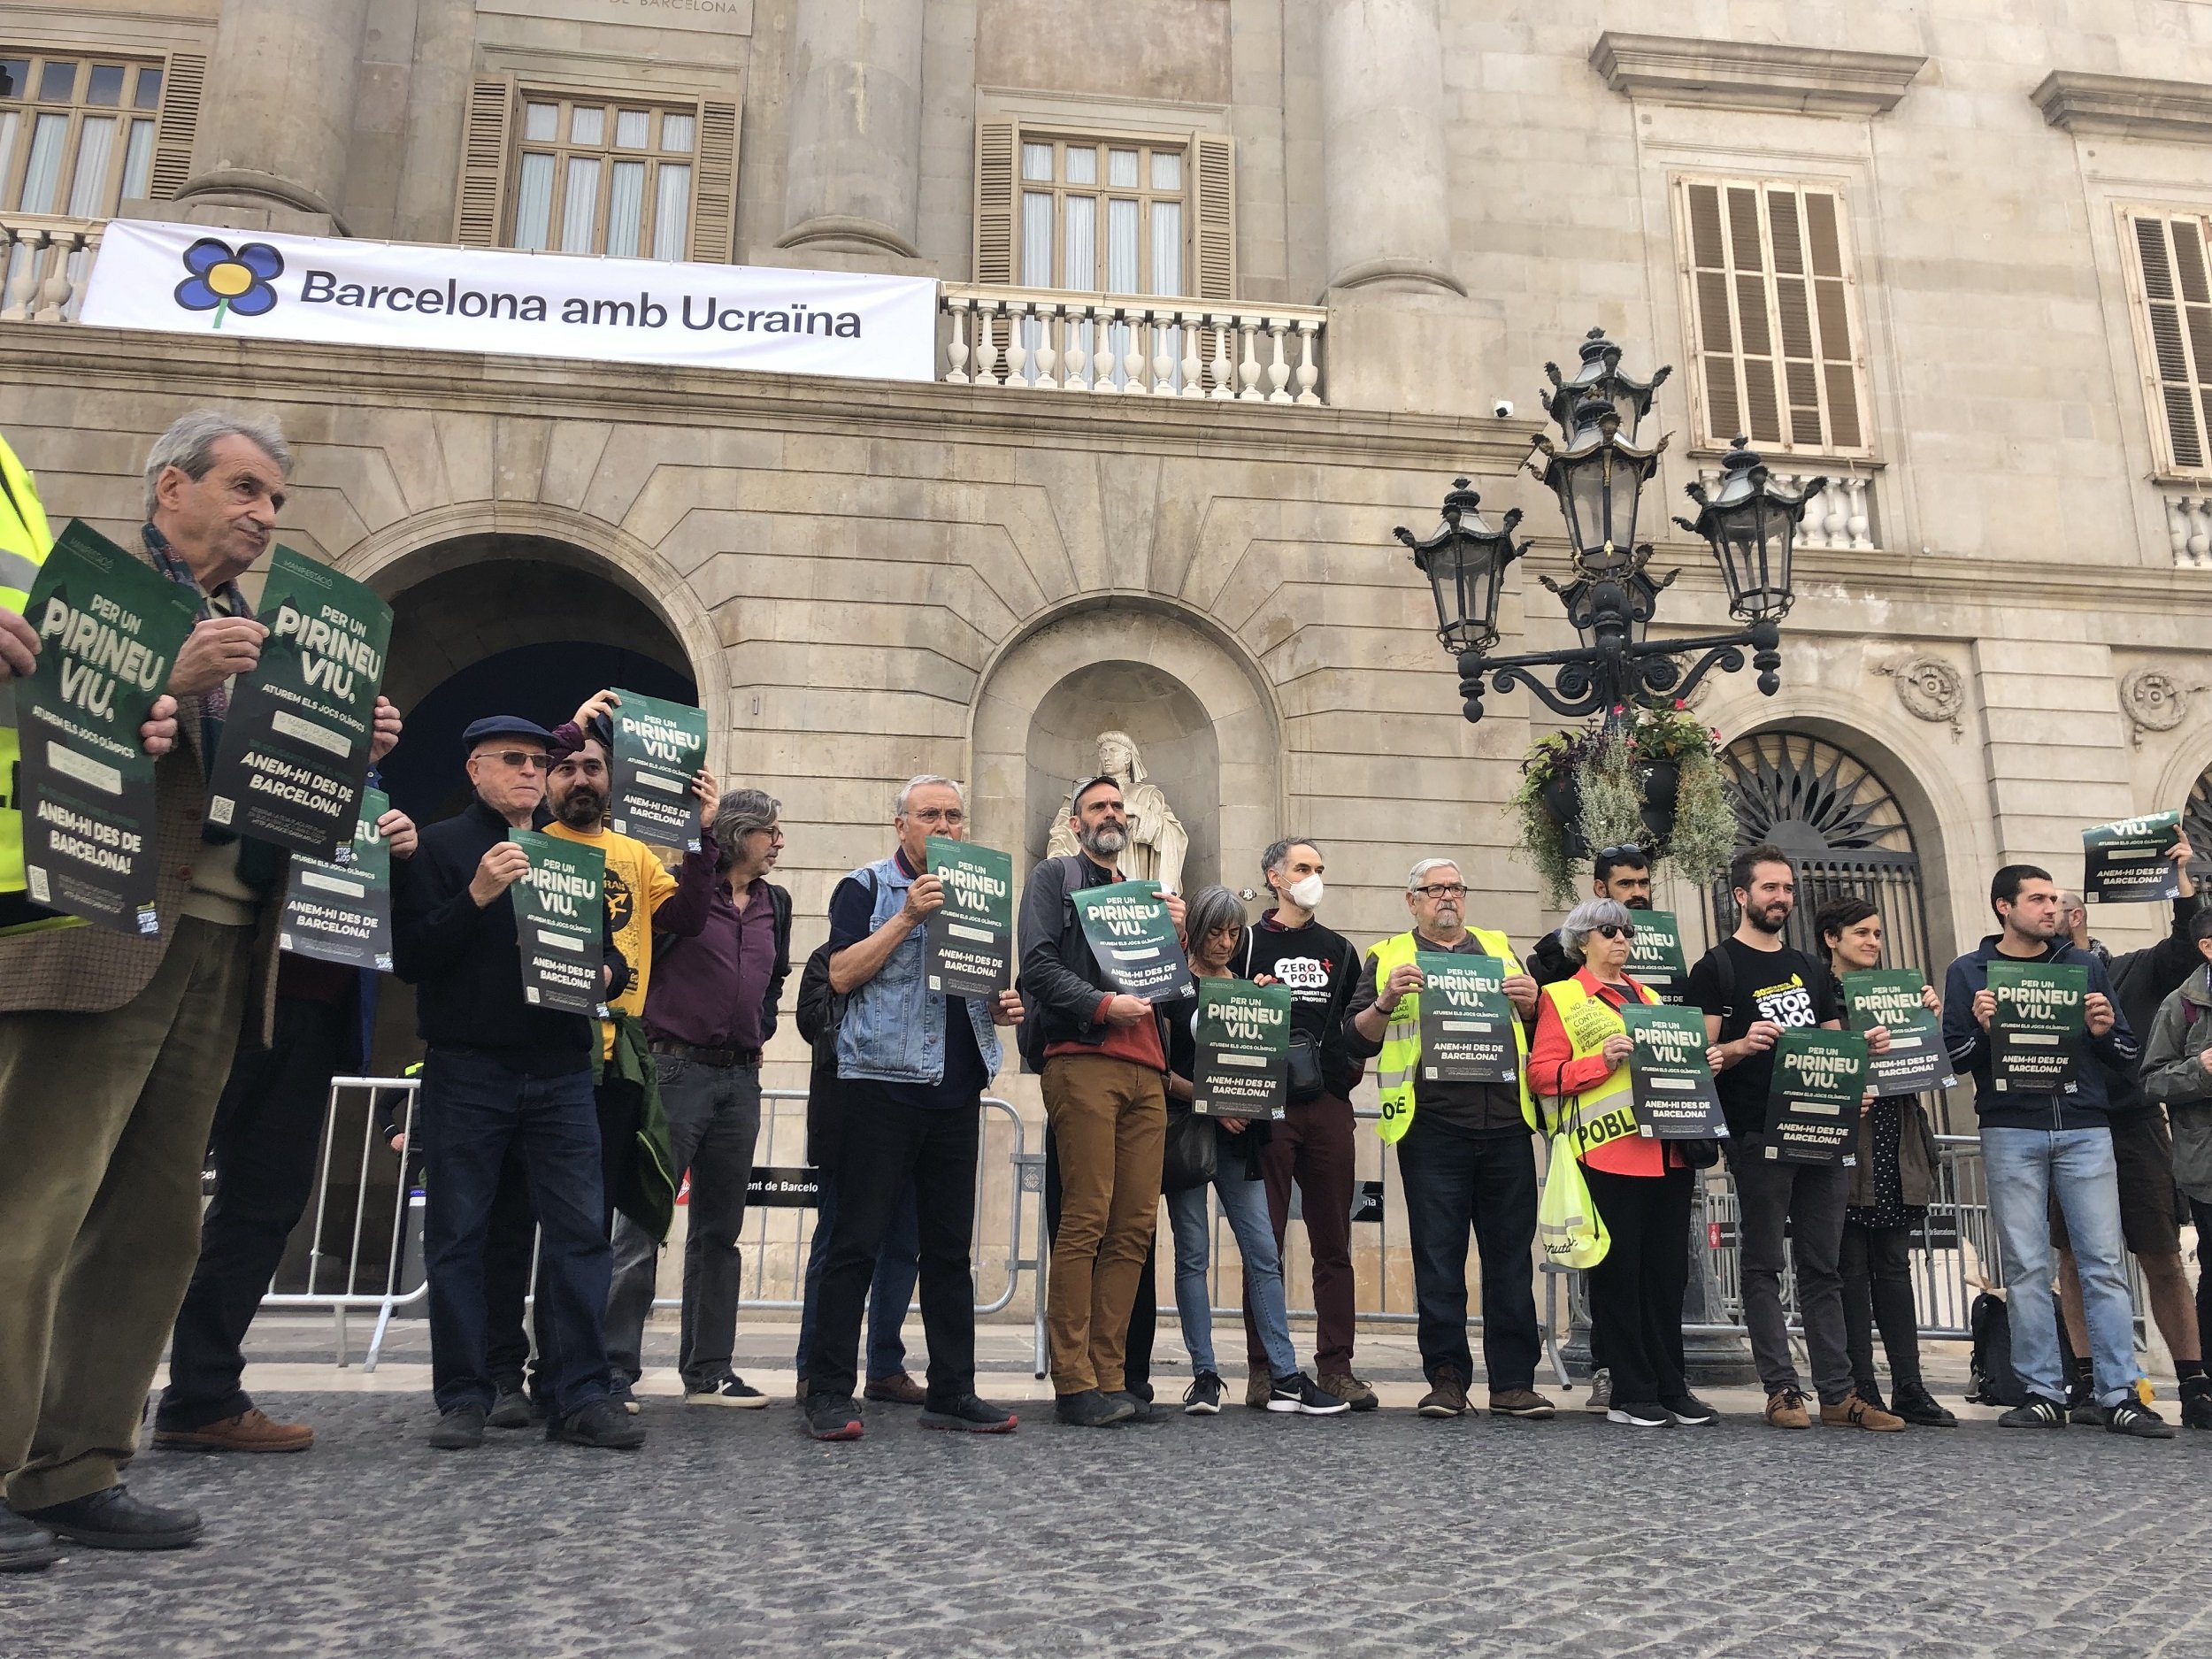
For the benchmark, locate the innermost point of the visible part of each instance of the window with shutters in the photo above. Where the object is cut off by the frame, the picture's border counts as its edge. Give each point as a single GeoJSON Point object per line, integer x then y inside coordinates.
{"type": "Point", "coordinates": [603, 177]}
{"type": "Point", "coordinates": [1775, 329]}
{"type": "Point", "coordinates": [78, 132]}
{"type": "Point", "coordinates": [2168, 262]}
{"type": "Point", "coordinates": [1097, 213]}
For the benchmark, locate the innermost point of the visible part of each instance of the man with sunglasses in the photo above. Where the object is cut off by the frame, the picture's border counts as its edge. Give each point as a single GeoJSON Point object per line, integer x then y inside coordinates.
{"type": "Point", "coordinates": [501, 1075]}
{"type": "Point", "coordinates": [1465, 1154]}
{"type": "Point", "coordinates": [1621, 873]}
{"type": "Point", "coordinates": [1752, 987]}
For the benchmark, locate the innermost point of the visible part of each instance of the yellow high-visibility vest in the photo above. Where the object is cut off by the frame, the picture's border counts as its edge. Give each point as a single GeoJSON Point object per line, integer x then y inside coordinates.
{"type": "Point", "coordinates": [1401, 1057]}
{"type": "Point", "coordinates": [1605, 1111]}
{"type": "Point", "coordinates": [25, 542]}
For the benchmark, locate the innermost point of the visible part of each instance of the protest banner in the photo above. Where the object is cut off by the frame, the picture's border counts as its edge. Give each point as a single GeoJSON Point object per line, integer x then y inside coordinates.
{"type": "Point", "coordinates": [1813, 1104]}
{"type": "Point", "coordinates": [970, 942]}
{"type": "Point", "coordinates": [659, 749]}
{"type": "Point", "coordinates": [1243, 1065]}
{"type": "Point", "coordinates": [1669, 1080]}
{"type": "Point", "coordinates": [2041, 1011]}
{"type": "Point", "coordinates": [342, 913]}
{"type": "Point", "coordinates": [560, 921]}
{"type": "Point", "coordinates": [1467, 1021]}
{"type": "Point", "coordinates": [1917, 1058]}
{"type": "Point", "coordinates": [2126, 863]}
{"type": "Point", "coordinates": [1655, 955]}
{"type": "Point", "coordinates": [1134, 940]}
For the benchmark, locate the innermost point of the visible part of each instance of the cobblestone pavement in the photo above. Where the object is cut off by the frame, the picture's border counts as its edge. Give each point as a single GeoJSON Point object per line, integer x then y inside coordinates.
{"type": "Point", "coordinates": [1246, 1534]}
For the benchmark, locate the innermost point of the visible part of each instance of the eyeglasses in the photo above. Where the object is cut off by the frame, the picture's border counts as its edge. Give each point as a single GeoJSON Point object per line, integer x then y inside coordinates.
{"type": "Point", "coordinates": [1444, 890]}
{"type": "Point", "coordinates": [1627, 850]}
{"type": "Point", "coordinates": [1615, 930]}
{"type": "Point", "coordinates": [520, 759]}
{"type": "Point", "coordinates": [940, 815]}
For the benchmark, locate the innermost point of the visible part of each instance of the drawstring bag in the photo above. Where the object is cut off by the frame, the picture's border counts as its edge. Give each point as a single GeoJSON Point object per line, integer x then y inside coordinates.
{"type": "Point", "coordinates": [1567, 1222]}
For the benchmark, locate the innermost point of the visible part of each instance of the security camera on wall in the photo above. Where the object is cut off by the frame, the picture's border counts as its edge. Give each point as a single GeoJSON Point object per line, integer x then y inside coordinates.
{"type": "Point", "coordinates": [1502, 409]}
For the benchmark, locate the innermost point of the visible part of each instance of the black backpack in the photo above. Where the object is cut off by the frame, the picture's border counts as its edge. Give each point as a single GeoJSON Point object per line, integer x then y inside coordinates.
{"type": "Point", "coordinates": [1992, 1381]}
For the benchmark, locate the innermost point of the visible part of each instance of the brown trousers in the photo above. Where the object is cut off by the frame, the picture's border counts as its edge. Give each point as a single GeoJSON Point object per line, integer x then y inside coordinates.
{"type": "Point", "coordinates": [1109, 1123]}
{"type": "Point", "coordinates": [103, 1122]}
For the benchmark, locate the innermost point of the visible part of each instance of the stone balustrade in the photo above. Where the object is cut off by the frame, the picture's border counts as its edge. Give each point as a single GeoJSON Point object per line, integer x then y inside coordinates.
{"type": "Point", "coordinates": [1048, 340]}
{"type": "Point", "coordinates": [43, 262]}
{"type": "Point", "coordinates": [1839, 519]}
{"type": "Point", "coordinates": [2189, 529]}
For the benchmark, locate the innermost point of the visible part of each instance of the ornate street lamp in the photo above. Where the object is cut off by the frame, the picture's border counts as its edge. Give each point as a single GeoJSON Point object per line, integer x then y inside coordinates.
{"type": "Point", "coordinates": [1464, 560]}
{"type": "Point", "coordinates": [1598, 477]}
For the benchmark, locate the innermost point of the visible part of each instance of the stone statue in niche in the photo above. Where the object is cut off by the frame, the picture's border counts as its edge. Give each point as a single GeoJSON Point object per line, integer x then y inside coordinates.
{"type": "Point", "coordinates": [1157, 841]}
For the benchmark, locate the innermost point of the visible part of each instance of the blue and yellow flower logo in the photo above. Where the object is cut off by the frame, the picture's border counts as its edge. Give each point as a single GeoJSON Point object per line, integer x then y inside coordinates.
{"type": "Point", "coordinates": [224, 281]}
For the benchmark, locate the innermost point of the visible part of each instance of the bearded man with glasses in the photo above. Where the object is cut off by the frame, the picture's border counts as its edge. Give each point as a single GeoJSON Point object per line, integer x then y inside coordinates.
{"type": "Point", "coordinates": [1465, 1155]}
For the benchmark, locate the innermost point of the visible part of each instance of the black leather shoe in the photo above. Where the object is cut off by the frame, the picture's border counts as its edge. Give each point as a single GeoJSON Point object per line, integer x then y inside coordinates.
{"type": "Point", "coordinates": [602, 1424]}
{"type": "Point", "coordinates": [460, 1428]}
{"type": "Point", "coordinates": [510, 1410]}
{"type": "Point", "coordinates": [23, 1547]}
{"type": "Point", "coordinates": [113, 1519]}
{"type": "Point", "coordinates": [1091, 1410]}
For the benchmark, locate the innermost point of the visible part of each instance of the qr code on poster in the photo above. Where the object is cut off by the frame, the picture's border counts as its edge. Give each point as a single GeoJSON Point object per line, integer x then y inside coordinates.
{"type": "Point", "coordinates": [220, 810]}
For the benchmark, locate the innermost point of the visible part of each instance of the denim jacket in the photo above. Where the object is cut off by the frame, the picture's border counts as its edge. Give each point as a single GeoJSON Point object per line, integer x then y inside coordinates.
{"type": "Point", "coordinates": [894, 1029]}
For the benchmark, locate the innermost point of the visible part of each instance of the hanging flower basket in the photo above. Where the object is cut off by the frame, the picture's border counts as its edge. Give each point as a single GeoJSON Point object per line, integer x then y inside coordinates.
{"type": "Point", "coordinates": [1653, 781]}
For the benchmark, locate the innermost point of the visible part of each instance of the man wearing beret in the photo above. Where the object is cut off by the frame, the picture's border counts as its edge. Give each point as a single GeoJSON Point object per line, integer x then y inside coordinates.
{"type": "Point", "coordinates": [502, 1074]}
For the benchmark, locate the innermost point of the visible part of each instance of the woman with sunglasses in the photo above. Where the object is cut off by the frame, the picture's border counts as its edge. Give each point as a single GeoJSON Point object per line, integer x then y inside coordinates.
{"type": "Point", "coordinates": [1215, 924]}
{"type": "Point", "coordinates": [1892, 1183]}
{"type": "Point", "coordinates": [1641, 1188]}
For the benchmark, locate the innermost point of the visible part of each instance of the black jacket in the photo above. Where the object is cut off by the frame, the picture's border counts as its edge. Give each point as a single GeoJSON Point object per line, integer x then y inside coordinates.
{"type": "Point", "coordinates": [1060, 978]}
{"type": "Point", "coordinates": [2098, 1058]}
{"type": "Point", "coordinates": [2142, 980]}
{"type": "Point", "coordinates": [820, 1011]}
{"type": "Point", "coordinates": [1547, 961]}
{"type": "Point", "coordinates": [466, 963]}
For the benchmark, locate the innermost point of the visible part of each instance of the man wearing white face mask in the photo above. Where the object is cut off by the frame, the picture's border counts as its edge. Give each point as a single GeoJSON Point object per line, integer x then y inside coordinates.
{"type": "Point", "coordinates": [1313, 1144]}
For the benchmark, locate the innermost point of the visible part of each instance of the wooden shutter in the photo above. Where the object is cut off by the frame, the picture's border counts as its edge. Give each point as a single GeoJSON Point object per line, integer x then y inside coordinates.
{"type": "Point", "coordinates": [178, 124]}
{"type": "Point", "coordinates": [996, 144]}
{"type": "Point", "coordinates": [714, 185]}
{"type": "Point", "coordinates": [1771, 315]}
{"type": "Point", "coordinates": [1214, 217]}
{"type": "Point", "coordinates": [2169, 273]}
{"type": "Point", "coordinates": [480, 207]}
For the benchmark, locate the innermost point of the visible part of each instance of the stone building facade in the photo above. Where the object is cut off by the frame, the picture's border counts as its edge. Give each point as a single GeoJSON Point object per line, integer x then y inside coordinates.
{"type": "Point", "coordinates": [1950, 257]}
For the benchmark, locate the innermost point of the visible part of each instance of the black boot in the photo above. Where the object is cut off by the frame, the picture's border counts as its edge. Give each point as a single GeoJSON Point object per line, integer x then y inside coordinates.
{"type": "Point", "coordinates": [2196, 1402]}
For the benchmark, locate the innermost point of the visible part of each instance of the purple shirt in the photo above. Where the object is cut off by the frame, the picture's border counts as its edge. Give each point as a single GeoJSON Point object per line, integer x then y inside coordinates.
{"type": "Point", "coordinates": [709, 991]}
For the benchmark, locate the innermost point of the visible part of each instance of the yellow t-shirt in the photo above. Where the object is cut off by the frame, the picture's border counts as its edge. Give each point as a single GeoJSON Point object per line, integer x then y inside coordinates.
{"type": "Point", "coordinates": [637, 884]}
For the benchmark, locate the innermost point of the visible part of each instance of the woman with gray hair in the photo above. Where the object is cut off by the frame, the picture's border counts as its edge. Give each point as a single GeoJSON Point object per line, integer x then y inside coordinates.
{"type": "Point", "coordinates": [1214, 925]}
{"type": "Point", "coordinates": [1641, 1187]}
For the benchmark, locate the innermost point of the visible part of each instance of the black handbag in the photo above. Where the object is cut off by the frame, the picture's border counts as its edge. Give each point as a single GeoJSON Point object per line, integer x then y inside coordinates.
{"type": "Point", "coordinates": [1305, 1078]}
{"type": "Point", "coordinates": [1192, 1157]}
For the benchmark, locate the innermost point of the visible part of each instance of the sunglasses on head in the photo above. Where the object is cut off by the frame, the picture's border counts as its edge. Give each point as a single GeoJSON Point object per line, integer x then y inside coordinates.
{"type": "Point", "coordinates": [1615, 930]}
{"type": "Point", "coordinates": [1627, 850]}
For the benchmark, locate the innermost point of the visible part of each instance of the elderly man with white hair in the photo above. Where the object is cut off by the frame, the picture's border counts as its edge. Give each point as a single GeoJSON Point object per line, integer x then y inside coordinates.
{"type": "Point", "coordinates": [1465, 1156]}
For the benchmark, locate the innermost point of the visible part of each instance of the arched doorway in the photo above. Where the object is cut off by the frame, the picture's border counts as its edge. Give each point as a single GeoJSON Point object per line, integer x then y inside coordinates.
{"type": "Point", "coordinates": [1843, 828]}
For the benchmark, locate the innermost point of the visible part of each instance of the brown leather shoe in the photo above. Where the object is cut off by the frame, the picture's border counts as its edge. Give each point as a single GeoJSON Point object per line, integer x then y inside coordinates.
{"type": "Point", "coordinates": [1257, 1386]}
{"type": "Point", "coordinates": [1447, 1396]}
{"type": "Point", "coordinates": [251, 1432]}
{"type": "Point", "coordinates": [1785, 1409]}
{"type": "Point", "coordinates": [1855, 1413]}
{"type": "Point", "coordinates": [1349, 1389]}
{"type": "Point", "coordinates": [898, 1389]}
{"type": "Point", "coordinates": [1521, 1403]}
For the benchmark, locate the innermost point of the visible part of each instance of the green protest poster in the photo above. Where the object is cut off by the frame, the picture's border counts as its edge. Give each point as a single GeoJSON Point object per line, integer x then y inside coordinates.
{"type": "Point", "coordinates": [1466, 1019]}
{"type": "Point", "coordinates": [1917, 1058]}
{"type": "Point", "coordinates": [295, 754]}
{"type": "Point", "coordinates": [1654, 956]}
{"type": "Point", "coordinates": [2126, 863]}
{"type": "Point", "coordinates": [108, 629]}
{"type": "Point", "coordinates": [2041, 1013]}
{"type": "Point", "coordinates": [342, 913]}
{"type": "Point", "coordinates": [558, 922]}
{"type": "Point", "coordinates": [659, 749]}
{"type": "Point", "coordinates": [1134, 940]}
{"type": "Point", "coordinates": [1243, 1065]}
{"type": "Point", "coordinates": [1670, 1082]}
{"type": "Point", "coordinates": [1819, 1086]}
{"type": "Point", "coordinates": [970, 942]}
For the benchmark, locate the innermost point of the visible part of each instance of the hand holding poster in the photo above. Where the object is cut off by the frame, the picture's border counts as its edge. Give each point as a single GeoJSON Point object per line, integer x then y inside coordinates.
{"type": "Point", "coordinates": [1133, 939]}
{"type": "Point", "coordinates": [1243, 1065]}
{"type": "Point", "coordinates": [2126, 862]}
{"type": "Point", "coordinates": [1819, 1086]}
{"type": "Point", "coordinates": [2040, 1012]}
{"type": "Point", "coordinates": [970, 942]}
{"type": "Point", "coordinates": [1655, 955]}
{"type": "Point", "coordinates": [658, 748]}
{"type": "Point", "coordinates": [1467, 1021]}
{"type": "Point", "coordinates": [560, 921]}
{"type": "Point", "coordinates": [296, 744]}
{"type": "Point", "coordinates": [109, 630]}
{"type": "Point", "coordinates": [342, 913]}
{"type": "Point", "coordinates": [1670, 1081]}
{"type": "Point", "coordinates": [1917, 1058]}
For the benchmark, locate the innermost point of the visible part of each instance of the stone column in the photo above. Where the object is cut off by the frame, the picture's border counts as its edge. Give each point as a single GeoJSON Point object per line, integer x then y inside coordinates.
{"type": "Point", "coordinates": [277, 120]}
{"type": "Point", "coordinates": [1382, 97]}
{"type": "Point", "coordinates": [853, 182]}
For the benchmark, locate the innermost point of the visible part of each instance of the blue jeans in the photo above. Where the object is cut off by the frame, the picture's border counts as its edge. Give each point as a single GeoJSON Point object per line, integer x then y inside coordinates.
{"type": "Point", "coordinates": [2024, 1167]}
{"type": "Point", "coordinates": [1245, 1203]}
{"type": "Point", "coordinates": [475, 1107]}
{"type": "Point", "coordinates": [890, 1294]}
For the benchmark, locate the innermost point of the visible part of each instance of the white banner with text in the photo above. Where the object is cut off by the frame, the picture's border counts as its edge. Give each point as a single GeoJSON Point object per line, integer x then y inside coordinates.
{"type": "Point", "coordinates": [182, 279]}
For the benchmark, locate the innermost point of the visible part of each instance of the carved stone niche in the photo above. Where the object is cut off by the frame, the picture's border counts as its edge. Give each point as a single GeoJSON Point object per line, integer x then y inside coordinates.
{"type": "Point", "coordinates": [2153, 700]}
{"type": "Point", "coordinates": [1929, 688]}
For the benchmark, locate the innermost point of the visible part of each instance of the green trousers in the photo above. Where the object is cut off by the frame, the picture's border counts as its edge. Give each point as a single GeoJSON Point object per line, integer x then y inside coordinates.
{"type": "Point", "coordinates": [104, 1124]}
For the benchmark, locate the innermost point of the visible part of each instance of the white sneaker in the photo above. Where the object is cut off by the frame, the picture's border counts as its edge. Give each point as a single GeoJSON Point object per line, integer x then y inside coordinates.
{"type": "Point", "coordinates": [730, 1391]}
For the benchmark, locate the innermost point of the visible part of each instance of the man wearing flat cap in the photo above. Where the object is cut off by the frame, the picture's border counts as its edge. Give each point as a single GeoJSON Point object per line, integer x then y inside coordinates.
{"type": "Point", "coordinates": [502, 1074]}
